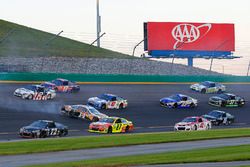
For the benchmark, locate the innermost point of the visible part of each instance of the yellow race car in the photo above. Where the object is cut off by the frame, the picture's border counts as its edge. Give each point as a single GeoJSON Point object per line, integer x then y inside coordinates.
{"type": "Point", "coordinates": [111, 125]}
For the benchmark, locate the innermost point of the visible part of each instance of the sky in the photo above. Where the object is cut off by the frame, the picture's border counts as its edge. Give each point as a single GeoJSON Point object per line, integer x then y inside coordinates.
{"type": "Point", "coordinates": [122, 21]}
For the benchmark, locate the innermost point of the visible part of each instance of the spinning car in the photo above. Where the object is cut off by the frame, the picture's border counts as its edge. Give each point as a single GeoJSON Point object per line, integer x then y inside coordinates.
{"type": "Point", "coordinates": [208, 87]}
{"type": "Point", "coordinates": [178, 101]}
{"type": "Point", "coordinates": [193, 123]}
{"type": "Point", "coordinates": [42, 129]}
{"type": "Point", "coordinates": [83, 111]}
{"type": "Point", "coordinates": [35, 92]}
{"type": "Point", "coordinates": [108, 101]}
{"type": "Point", "coordinates": [62, 85]}
{"type": "Point", "coordinates": [226, 100]}
{"type": "Point", "coordinates": [111, 125]}
{"type": "Point", "coordinates": [219, 117]}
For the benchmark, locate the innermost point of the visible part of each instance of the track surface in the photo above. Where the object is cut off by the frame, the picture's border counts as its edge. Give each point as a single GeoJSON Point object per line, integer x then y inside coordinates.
{"type": "Point", "coordinates": [64, 156]}
{"type": "Point", "coordinates": [144, 109]}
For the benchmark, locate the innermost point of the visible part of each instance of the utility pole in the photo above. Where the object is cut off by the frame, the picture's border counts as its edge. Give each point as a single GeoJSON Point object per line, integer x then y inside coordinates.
{"type": "Point", "coordinates": [98, 23]}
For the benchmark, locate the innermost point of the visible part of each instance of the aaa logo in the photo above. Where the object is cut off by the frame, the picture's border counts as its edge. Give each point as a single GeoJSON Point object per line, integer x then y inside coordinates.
{"type": "Point", "coordinates": [187, 33]}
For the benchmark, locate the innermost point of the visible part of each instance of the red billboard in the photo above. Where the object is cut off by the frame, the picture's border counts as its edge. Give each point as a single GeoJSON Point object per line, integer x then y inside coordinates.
{"type": "Point", "coordinates": [189, 36]}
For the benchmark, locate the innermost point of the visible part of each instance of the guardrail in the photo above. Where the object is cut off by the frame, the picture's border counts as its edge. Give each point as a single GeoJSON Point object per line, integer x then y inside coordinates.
{"type": "Point", "coordinates": [117, 78]}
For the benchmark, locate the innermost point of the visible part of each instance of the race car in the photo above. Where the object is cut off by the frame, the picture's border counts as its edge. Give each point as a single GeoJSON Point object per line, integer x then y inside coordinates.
{"type": "Point", "coordinates": [42, 129]}
{"type": "Point", "coordinates": [226, 100]}
{"type": "Point", "coordinates": [62, 85]}
{"type": "Point", "coordinates": [178, 101]}
{"type": "Point", "coordinates": [35, 92]}
{"type": "Point", "coordinates": [208, 87]}
{"type": "Point", "coordinates": [219, 117]}
{"type": "Point", "coordinates": [193, 123]}
{"type": "Point", "coordinates": [83, 111]}
{"type": "Point", "coordinates": [111, 125]}
{"type": "Point", "coordinates": [108, 101]}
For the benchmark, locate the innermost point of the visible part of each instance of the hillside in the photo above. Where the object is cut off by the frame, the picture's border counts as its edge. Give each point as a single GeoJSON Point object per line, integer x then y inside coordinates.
{"type": "Point", "coordinates": [23, 41]}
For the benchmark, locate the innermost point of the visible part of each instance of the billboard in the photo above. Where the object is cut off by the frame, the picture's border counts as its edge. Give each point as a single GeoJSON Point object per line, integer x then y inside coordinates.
{"type": "Point", "coordinates": [189, 37]}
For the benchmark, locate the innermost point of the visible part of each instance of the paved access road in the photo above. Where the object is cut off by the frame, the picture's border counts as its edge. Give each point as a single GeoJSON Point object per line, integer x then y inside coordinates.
{"type": "Point", "coordinates": [64, 156]}
{"type": "Point", "coordinates": [144, 109]}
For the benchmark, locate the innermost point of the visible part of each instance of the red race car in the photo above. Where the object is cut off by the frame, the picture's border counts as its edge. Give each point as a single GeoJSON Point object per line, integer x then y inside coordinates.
{"type": "Point", "coordinates": [62, 85]}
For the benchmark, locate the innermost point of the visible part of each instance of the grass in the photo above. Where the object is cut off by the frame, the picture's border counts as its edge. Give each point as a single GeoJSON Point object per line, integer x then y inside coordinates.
{"type": "Point", "coordinates": [61, 144]}
{"type": "Point", "coordinates": [28, 42]}
{"type": "Point", "coordinates": [220, 154]}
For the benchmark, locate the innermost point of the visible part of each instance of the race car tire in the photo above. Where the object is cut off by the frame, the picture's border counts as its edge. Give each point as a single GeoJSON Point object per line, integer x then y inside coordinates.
{"type": "Point", "coordinates": [109, 130]}
{"type": "Point", "coordinates": [219, 91]}
{"type": "Point", "coordinates": [203, 91]}
{"type": "Point", "coordinates": [103, 106]}
{"type": "Point", "coordinates": [70, 113]}
{"type": "Point", "coordinates": [121, 106]}
{"type": "Point", "coordinates": [223, 104]}
{"type": "Point", "coordinates": [34, 135]}
{"type": "Point", "coordinates": [127, 129]}
{"type": "Point", "coordinates": [175, 105]}
{"type": "Point", "coordinates": [192, 105]}
{"type": "Point", "coordinates": [30, 97]}
{"type": "Point", "coordinates": [240, 104]}
{"type": "Point", "coordinates": [43, 134]}
{"type": "Point", "coordinates": [195, 127]}
{"type": "Point", "coordinates": [63, 133]}
{"type": "Point", "coordinates": [228, 122]}
{"type": "Point", "coordinates": [49, 96]}
{"type": "Point", "coordinates": [95, 119]}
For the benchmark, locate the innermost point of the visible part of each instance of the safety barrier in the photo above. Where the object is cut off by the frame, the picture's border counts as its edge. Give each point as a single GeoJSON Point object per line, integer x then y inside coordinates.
{"type": "Point", "coordinates": [117, 78]}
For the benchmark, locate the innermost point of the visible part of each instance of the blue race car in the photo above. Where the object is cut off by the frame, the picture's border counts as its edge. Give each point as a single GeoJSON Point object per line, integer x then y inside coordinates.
{"type": "Point", "coordinates": [178, 101]}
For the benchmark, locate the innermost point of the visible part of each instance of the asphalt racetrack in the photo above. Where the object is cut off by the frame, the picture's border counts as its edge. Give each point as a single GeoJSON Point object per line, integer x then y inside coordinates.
{"type": "Point", "coordinates": [143, 109]}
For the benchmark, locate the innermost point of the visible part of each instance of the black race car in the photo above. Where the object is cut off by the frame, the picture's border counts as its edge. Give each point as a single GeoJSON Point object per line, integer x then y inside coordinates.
{"type": "Point", "coordinates": [226, 100]}
{"type": "Point", "coordinates": [42, 129]}
{"type": "Point", "coordinates": [219, 117]}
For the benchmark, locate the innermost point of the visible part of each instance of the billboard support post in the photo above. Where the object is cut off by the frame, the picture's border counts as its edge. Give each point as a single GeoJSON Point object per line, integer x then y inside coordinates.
{"type": "Point", "coordinates": [211, 64]}
{"type": "Point", "coordinates": [190, 62]}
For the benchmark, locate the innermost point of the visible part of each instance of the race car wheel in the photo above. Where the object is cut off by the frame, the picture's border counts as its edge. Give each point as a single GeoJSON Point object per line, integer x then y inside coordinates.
{"type": "Point", "coordinates": [95, 119]}
{"type": "Point", "coordinates": [223, 104]}
{"type": "Point", "coordinates": [219, 91]}
{"type": "Point", "coordinates": [121, 106]}
{"type": "Point", "coordinates": [203, 91]}
{"type": "Point", "coordinates": [49, 97]}
{"type": "Point", "coordinates": [43, 134]}
{"type": "Point", "coordinates": [192, 105]}
{"type": "Point", "coordinates": [103, 106]}
{"type": "Point", "coordinates": [175, 105]}
{"type": "Point", "coordinates": [195, 127]}
{"type": "Point", "coordinates": [110, 129]}
{"type": "Point", "coordinates": [63, 133]}
{"type": "Point", "coordinates": [34, 135]}
{"type": "Point", "coordinates": [30, 97]}
{"type": "Point", "coordinates": [127, 129]}
{"type": "Point", "coordinates": [228, 122]}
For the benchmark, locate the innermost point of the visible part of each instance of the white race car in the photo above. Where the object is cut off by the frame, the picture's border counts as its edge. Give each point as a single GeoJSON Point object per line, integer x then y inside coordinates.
{"type": "Point", "coordinates": [35, 92]}
{"type": "Point", "coordinates": [193, 123]}
{"type": "Point", "coordinates": [208, 87]}
{"type": "Point", "coordinates": [108, 101]}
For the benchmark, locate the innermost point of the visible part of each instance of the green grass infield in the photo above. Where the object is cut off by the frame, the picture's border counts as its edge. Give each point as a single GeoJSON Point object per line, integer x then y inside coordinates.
{"type": "Point", "coordinates": [220, 154]}
{"type": "Point", "coordinates": [88, 142]}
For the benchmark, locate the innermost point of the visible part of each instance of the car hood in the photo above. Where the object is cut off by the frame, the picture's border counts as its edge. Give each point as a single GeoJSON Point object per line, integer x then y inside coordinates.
{"type": "Point", "coordinates": [184, 123]}
{"type": "Point", "coordinates": [167, 100]}
{"type": "Point", "coordinates": [30, 128]}
{"type": "Point", "coordinates": [100, 124]}
{"type": "Point", "coordinates": [23, 90]}
{"type": "Point", "coordinates": [216, 98]}
{"type": "Point", "coordinates": [197, 85]}
{"type": "Point", "coordinates": [209, 117]}
{"type": "Point", "coordinates": [97, 100]}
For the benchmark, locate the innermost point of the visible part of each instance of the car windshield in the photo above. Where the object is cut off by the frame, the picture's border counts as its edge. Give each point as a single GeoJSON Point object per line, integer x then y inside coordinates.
{"type": "Point", "coordinates": [190, 119]}
{"type": "Point", "coordinates": [175, 97]}
{"type": "Point", "coordinates": [223, 96]}
{"type": "Point", "coordinates": [105, 97]}
{"type": "Point", "coordinates": [205, 83]}
{"type": "Point", "coordinates": [93, 110]}
{"type": "Point", "coordinates": [215, 114]}
{"type": "Point", "coordinates": [39, 124]}
{"type": "Point", "coordinates": [31, 87]}
{"type": "Point", "coordinates": [107, 120]}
